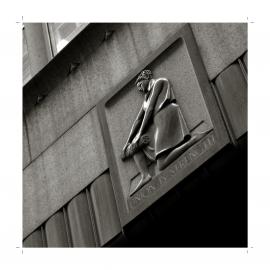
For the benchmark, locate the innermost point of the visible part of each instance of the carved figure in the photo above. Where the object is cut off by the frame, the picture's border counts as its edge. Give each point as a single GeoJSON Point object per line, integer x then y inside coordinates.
{"type": "Point", "coordinates": [159, 132]}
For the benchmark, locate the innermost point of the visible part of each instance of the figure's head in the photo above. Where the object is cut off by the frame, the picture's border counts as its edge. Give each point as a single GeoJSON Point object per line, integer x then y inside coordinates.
{"type": "Point", "coordinates": [143, 80]}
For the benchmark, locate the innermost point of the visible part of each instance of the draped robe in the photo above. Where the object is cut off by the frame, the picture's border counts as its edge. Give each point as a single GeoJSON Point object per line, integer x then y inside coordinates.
{"type": "Point", "coordinates": [167, 128]}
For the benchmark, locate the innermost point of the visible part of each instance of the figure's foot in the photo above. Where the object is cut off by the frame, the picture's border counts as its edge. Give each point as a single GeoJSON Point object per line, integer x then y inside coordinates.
{"type": "Point", "coordinates": [145, 179]}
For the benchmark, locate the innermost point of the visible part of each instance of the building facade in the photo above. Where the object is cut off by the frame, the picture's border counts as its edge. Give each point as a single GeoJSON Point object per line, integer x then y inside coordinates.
{"type": "Point", "coordinates": [78, 109]}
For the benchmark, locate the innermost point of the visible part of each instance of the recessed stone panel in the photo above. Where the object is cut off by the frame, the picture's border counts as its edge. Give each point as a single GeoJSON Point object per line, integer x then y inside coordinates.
{"type": "Point", "coordinates": [179, 61]}
{"type": "Point", "coordinates": [174, 63]}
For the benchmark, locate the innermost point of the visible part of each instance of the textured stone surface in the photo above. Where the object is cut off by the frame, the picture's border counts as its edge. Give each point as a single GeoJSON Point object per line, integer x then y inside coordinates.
{"type": "Point", "coordinates": [57, 112]}
{"type": "Point", "coordinates": [105, 66]}
{"type": "Point", "coordinates": [81, 226]}
{"type": "Point", "coordinates": [148, 37]}
{"type": "Point", "coordinates": [232, 88]}
{"type": "Point", "coordinates": [100, 71]}
{"type": "Point", "coordinates": [68, 166]}
{"type": "Point", "coordinates": [105, 210]}
{"type": "Point", "coordinates": [37, 51]}
{"type": "Point", "coordinates": [26, 152]}
{"type": "Point", "coordinates": [56, 231]}
{"type": "Point", "coordinates": [121, 111]}
{"type": "Point", "coordinates": [220, 44]}
{"type": "Point", "coordinates": [34, 239]}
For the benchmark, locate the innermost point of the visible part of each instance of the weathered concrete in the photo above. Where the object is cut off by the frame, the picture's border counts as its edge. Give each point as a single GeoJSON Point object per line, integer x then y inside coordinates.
{"type": "Point", "coordinates": [81, 226]}
{"type": "Point", "coordinates": [103, 67]}
{"type": "Point", "coordinates": [35, 239]}
{"type": "Point", "coordinates": [69, 165]}
{"type": "Point", "coordinates": [36, 44]}
{"type": "Point", "coordinates": [147, 37]}
{"type": "Point", "coordinates": [74, 160]}
{"type": "Point", "coordinates": [232, 88]}
{"type": "Point", "coordinates": [26, 152]}
{"type": "Point", "coordinates": [56, 231]}
{"type": "Point", "coordinates": [57, 112]}
{"type": "Point", "coordinates": [98, 74]}
{"type": "Point", "coordinates": [105, 210]}
{"type": "Point", "coordinates": [220, 44]}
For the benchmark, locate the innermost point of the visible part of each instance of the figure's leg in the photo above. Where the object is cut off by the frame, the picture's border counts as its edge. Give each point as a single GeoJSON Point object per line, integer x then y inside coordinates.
{"type": "Point", "coordinates": [165, 160]}
{"type": "Point", "coordinates": [141, 164]}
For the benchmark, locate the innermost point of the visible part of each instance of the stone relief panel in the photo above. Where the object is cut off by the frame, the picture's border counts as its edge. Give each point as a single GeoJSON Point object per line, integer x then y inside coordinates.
{"type": "Point", "coordinates": [160, 125]}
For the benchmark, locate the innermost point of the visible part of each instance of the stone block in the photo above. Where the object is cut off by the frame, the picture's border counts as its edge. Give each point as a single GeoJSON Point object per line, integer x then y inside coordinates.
{"type": "Point", "coordinates": [35, 239]}
{"type": "Point", "coordinates": [56, 231]}
{"type": "Point", "coordinates": [105, 210]}
{"type": "Point", "coordinates": [26, 151]}
{"type": "Point", "coordinates": [60, 109]}
{"type": "Point", "coordinates": [220, 44]}
{"type": "Point", "coordinates": [81, 225]}
{"type": "Point", "coordinates": [37, 51]}
{"type": "Point", "coordinates": [147, 37]}
{"type": "Point", "coordinates": [62, 171]}
{"type": "Point", "coordinates": [232, 89]}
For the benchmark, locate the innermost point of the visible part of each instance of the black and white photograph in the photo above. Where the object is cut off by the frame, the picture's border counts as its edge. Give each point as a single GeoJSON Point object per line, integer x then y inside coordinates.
{"type": "Point", "coordinates": [135, 134]}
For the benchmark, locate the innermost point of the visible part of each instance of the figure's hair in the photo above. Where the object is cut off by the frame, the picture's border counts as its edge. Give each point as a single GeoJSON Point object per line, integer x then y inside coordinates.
{"type": "Point", "coordinates": [144, 75]}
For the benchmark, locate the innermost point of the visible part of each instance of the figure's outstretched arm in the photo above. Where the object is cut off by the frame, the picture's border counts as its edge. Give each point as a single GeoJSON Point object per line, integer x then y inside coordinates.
{"type": "Point", "coordinates": [136, 125]}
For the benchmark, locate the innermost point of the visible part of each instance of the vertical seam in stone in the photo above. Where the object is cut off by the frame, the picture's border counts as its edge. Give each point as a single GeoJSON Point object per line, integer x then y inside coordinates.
{"type": "Point", "coordinates": [50, 40]}
{"type": "Point", "coordinates": [245, 64]}
{"type": "Point", "coordinates": [224, 114]}
{"type": "Point", "coordinates": [43, 236]}
{"type": "Point", "coordinates": [67, 227]}
{"type": "Point", "coordinates": [243, 69]}
{"type": "Point", "coordinates": [92, 217]}
{"type": "Point", "coordinates": [28, 142]}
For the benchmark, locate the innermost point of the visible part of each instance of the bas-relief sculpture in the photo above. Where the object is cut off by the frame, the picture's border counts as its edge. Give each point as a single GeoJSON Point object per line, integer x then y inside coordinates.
{"type": "Point", "coordinates": [174, 133]}
{"type": "Point", "coordinates": [159, 133]}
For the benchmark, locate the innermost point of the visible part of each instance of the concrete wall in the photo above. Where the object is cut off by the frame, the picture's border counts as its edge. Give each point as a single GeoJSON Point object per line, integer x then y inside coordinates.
{"type": "Point", "coordinates": [63, 146]}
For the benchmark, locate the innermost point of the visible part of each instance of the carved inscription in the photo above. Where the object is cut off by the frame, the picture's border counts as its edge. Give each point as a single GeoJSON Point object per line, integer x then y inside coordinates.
{"type": "Point", "coordinates": [167, 175]}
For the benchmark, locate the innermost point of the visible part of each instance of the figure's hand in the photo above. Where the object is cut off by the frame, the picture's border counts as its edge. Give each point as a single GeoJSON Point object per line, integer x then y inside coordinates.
{"type": "Point", "coordinates": [124, 150]}
{"type": "Point", "coordinates": [125, 146]}
{"type": "Point", "coordinates": [136, 139]}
